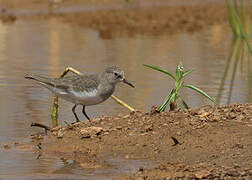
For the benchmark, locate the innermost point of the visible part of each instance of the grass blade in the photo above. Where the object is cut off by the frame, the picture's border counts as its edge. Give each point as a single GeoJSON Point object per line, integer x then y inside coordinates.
{"type": "Point", "coordinates": [177, 74]}
{"type": "Point", "coordinates": [249, 5]}
{"type": "Point", "coordinates": [54, 114]}
{"type": "Point", "coordinates": [186, 73]}
{"type": "Point", "coordinates": [160, 70]}
{"type": "Point", "coordinates": [199, 91]}
{"type": "Point", "coordinates": [184, 103]}
{"type": "Point", "coordinates": [167, 100]}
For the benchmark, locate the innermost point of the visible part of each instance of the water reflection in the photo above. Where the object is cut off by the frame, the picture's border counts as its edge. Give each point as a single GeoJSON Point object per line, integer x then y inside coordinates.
{"type": "Point", "coordinates": [47, 47]}
{"type": "Point", "coordinates": [238, 61]}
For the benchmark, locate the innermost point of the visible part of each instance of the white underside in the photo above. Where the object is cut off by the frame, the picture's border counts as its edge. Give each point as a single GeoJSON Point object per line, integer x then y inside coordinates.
{"type": "Point", "coordinates": [83, 97]}
{"type": "Point", "coordinates": [86, 98]}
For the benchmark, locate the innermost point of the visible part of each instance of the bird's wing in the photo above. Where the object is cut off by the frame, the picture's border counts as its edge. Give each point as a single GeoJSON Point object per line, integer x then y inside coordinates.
{"type": "Point", "coordinates": [77, 83]}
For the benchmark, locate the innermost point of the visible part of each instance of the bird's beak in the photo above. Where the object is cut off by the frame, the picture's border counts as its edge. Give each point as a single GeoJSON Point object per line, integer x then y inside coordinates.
{"type": "Point", "coordinates": [127, 82]}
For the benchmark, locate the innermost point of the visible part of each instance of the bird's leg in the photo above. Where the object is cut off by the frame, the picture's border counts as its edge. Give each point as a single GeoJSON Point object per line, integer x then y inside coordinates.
{"type": "Point", "coordinates": [55, 100]}
{"type": "Point", "coordinates": [84, 112]}
{"type": "Point", "coordinates": [71, 70]}
{"type": "Point", "coordinates": [73, 109]}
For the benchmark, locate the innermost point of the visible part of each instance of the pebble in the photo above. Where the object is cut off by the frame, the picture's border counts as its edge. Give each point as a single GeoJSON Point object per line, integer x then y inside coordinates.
{"type": "Point", "coordinates": [6, 146]}
{"type": "Point", "coordinates": [202, 174]}
{"type": "Point", "coordinates": [88, 132]}
{"type": "Point", "coordinates": [60, 133]}
{"type": "Point", "coordinates": [126, 116]}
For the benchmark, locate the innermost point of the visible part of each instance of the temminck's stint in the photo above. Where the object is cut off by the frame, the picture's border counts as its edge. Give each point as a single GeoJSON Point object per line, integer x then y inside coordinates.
{"type": "Point", "coordinates": [85, 90]}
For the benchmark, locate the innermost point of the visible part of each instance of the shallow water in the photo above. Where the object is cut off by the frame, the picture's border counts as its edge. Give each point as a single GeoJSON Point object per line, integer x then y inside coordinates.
{"type": "Point", "coordinates": [47, 47]}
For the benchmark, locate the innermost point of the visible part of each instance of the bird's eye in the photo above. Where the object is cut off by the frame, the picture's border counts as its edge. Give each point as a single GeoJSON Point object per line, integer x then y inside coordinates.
{"type": "Point", "coordinates": [117, 75]}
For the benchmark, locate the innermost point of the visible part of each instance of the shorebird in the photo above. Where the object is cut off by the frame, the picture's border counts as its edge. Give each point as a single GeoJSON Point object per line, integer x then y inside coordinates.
{"type": "Point", "coordinates": [85, 90]}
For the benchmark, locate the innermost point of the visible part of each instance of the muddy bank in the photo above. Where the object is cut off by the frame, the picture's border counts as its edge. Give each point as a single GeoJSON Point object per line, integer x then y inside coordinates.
{"type": "Point", "coordinates": [113, 17]}
{"type": "Point", "coordinates": [206, 142]}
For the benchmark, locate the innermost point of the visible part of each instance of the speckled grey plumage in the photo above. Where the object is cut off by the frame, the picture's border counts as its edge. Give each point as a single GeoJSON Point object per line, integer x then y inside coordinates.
{"type": "Point", "coordinates": [84, 89]}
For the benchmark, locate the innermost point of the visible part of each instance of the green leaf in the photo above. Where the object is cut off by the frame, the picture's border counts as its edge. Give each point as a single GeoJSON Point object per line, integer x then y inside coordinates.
{"type": "Point", "coordinates": [160, 70]}
{"type": "Point", "coordinates": [167, 100]}
{"type": "Point", "coordinates": [199, 91]}
{"type": "Point", "coordinates": [177, 74]}
{"type": "Point", "coordinates": [184, 104]}
{"type": "Point", "coordinates": [186, 73]}
{"type": "Point", "coordinates": [178, 86]}
{"type": "Point", "coordinates": [179, 71]}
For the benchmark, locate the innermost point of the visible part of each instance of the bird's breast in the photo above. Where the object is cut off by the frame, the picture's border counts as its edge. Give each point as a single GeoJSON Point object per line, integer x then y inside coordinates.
{"type": "Point", "coordinates": [87, 97]}
{"type": "Point", "coordinates": [106, 91]}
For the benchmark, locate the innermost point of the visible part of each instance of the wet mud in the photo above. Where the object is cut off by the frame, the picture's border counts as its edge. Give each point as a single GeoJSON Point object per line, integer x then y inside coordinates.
{"type": "Point", "coordinates": [114, 17]}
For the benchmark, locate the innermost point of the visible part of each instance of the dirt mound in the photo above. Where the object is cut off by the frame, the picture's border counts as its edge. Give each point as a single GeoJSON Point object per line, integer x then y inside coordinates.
{"type": "Point", "coordinates": [203, 142]}
{"type": "Point", "coordinates": [182, 171]}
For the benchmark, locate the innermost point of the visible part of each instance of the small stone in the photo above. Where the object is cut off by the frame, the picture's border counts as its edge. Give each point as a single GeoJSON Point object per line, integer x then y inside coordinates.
{"type": "Point", "coordinates": [6, 146]}
{"type": "Point", "coordinates": [126, 116]}
{"type": "Point", "coordinates": [232, 115]}
{"type": "Point", "coordinates": [179, 174]}
{"type": "Point", "coordinates": [56, 128]}
{"type": "Point", "coordinates": [232, 173]}
{"type": "Point", "coordinates": [192, 112]}
{"type": "Point", "coordinates": [176, 123]}
{"type": "Point", "coordinates": [119, 127]}
{"type": "Point", "coordinates": [60, 133]}
{"type": "Point", "coordinates": [96, 120]}
{"type": "Point", "coordinates": [37, 137]}
{"type": "Point", "coordinates": [236, 165]}
{"type": "Point", "coordinates": [202, 174]}
{"type": "Point", "coordinates": [238, 145]}
{"type": "Point", "coordinates": [154, 110]}
{"type": "Point", "coordinates": [148, 128]}
{"type": "Point", "coordinates": [90, 132]}
{"type": "Point", "coordinates": [54, 133]}
{"type": "Point", "coordinates": [141, 169]}
{"type": "Point", "coordinates": [140, 178]}
{"type": "Point", "coordinates": [243, 173]}
{"type": "Point", "coordinates": [239, 118]}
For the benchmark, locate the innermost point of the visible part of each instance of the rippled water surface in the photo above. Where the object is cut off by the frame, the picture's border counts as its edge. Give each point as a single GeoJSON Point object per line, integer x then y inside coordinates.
{"type": "Point", "coordinates": [47, 47]}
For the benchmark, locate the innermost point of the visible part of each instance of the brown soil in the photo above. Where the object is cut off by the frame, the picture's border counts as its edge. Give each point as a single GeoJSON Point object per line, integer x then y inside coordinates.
{"type": "Point", "coordinates": [112, 17]}
{"type": "Point", "coordinates": [213, 142]}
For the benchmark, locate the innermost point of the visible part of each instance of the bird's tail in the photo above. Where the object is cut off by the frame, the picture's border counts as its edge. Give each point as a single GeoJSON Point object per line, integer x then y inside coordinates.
{"type": "Point", "coordinates": [29, 76]}
{"type": "Point", "coordinates": [40, 79]}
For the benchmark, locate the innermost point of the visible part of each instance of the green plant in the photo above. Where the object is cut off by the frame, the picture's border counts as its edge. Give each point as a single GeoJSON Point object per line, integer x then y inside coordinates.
{"type": "Point", "coordinates": [127, 6]}
{"type": "Point", "coordinates": [239, 12]}
{"type": "Point", "coordinates": [239, 60]}
{"type": "Point", "coordinates": [174, 94]}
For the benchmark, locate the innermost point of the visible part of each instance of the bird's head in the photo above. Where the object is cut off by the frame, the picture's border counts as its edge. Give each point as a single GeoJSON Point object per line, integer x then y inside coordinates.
{"type": "Point", "coordinates": [115, 75]}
